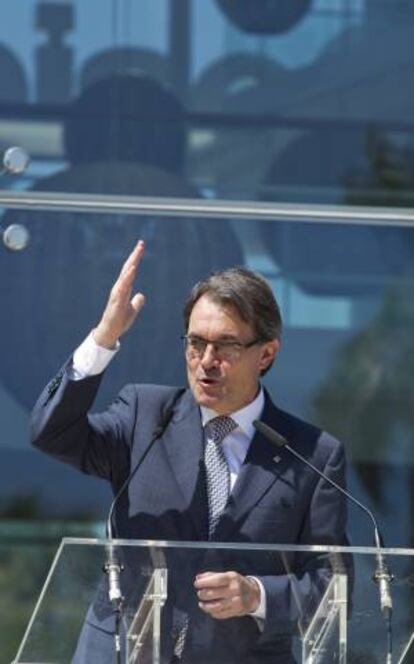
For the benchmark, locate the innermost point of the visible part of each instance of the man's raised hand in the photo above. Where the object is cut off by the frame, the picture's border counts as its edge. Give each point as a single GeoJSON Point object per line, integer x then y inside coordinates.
{"type": "Point", "coordinates": [121, 309]}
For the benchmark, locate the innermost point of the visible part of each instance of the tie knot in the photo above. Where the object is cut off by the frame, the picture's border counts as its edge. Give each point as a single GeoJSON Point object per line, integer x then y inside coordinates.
{"type": "Point", "coordinates": [220, 427]}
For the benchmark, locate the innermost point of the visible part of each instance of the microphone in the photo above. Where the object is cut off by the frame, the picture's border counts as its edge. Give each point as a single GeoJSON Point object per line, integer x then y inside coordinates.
{"type": "Point", "coordinates": [112, 567]}
{"type": "Point", "coordinates": [382, 576]}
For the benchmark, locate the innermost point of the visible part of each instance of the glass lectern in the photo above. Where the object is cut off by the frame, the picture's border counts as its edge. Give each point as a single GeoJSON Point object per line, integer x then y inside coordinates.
{"type": "Point", "coordinates": [332, 603]}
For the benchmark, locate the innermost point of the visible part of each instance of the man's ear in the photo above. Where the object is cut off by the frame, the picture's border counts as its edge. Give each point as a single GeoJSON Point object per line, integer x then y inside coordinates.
{"type": "Point", "coordinates": [269, 351]}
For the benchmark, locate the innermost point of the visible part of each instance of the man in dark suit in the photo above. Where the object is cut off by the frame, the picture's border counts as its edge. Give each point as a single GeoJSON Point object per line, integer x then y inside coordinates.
{"type": "Point", "coordinates": [208, 477]}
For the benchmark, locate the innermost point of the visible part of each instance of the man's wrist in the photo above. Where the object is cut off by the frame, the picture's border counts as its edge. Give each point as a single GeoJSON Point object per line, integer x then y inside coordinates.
{"type": "Point", "coordinates": [255, 594]}
{"type": "Point", "coordinates": [104, 340]}
{"type": "Point", "coordinates": [91, 359]}
{"type": "Point", "coordinates": [259, 611]}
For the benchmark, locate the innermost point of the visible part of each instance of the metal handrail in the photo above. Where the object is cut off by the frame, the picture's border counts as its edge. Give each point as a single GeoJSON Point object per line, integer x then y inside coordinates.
{"type": "Point", "coordinates": [202, 209]}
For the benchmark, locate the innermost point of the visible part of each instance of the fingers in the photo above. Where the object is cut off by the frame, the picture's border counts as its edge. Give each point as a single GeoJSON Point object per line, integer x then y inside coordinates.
{"type": "Point", "coordinates": [222, 609]}
{"type": "Point", "coordinates": [124, 283]}
{"type": "Point", "coordinates": [138, 302]}
{"type": "Point", "coordinates": [121, 310]}
{"type": "Point", "coordinates": [226, 595]}
{"type": "Point", "coordinates": [211, 587]}
{"type": "Point", "coordinates": [213, 579]}
{"type": "Point", "coordinates": [134, 258]}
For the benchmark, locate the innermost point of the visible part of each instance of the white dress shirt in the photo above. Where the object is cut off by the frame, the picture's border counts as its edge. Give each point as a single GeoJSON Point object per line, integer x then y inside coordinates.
{"type": "Point", "coordinates": [89, 359]}
{"type": "Point", "coordinates": [236, 444]}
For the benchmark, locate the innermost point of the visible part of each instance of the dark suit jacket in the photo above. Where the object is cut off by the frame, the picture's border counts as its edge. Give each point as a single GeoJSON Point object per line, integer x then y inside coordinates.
{"type": "Point", "coordinates": [276, 500]}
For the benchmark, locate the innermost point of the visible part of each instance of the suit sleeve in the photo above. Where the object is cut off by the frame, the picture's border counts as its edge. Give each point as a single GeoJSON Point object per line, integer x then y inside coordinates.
{"type": "Point", "coordinates": [292, 598]}
{"type": "Point", "coordinates": [99, 444]}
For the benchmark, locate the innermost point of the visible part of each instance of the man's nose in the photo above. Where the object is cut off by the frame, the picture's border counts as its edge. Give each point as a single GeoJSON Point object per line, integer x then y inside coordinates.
{"type": "Point", "coordinates": [209, 357]}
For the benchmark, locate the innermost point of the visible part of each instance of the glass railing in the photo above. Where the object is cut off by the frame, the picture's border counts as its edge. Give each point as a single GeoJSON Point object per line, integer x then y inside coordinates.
{"type": "Point", "coordinates": [306, 102]}
{"type": "Point", "coordinates": [343, 277]}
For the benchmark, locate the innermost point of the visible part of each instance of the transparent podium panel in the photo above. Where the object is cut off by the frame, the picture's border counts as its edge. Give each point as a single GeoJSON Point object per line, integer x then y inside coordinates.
{"type": "Point", "coordinates": [325, 638]}
{"type": "Point", "coordinates": [153, 602]}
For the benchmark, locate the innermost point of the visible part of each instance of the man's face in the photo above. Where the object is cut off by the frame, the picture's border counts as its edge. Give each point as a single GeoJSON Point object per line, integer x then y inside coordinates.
{"type": "Point", "coordinates": [222, 384]}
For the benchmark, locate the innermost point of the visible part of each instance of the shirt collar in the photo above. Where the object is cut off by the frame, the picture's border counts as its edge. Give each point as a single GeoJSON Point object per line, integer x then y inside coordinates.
{"type": "Point", "coordinates": [244, 417]}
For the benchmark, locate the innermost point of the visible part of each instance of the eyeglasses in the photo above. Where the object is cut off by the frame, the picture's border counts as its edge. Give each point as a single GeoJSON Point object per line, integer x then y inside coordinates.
{"type": "Point", "coordinates": [227, 350]}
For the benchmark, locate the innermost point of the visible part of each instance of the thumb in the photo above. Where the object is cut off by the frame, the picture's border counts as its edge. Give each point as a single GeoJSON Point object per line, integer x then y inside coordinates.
{"type": "Point", "coordinates": [138, 302]}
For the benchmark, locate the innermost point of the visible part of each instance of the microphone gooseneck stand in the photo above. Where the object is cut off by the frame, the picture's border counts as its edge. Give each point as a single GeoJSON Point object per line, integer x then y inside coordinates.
{"type": "Point", "coordinates": [112, 566]}
{"type": "Point", "coordinates": [113, 569]}
{"type": "Point", "coordinates": [382, 576]}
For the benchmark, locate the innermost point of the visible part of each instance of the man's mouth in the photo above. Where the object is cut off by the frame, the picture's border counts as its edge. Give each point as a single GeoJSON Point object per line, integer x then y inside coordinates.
{"type": "Point", "coordinates": [208, 381]}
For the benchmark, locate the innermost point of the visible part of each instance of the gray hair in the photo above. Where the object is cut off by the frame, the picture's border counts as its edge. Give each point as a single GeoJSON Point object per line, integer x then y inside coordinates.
{"type": "Point", "coordinates": [248, 293]}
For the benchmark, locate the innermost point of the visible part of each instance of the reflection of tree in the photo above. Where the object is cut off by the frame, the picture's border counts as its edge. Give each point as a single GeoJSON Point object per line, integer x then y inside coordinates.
{"type": "Point", "coordinates": [390, 180]}
{"type": "Point", "coordinates": [29, 507]}
{"type": "Point", "coordinates": [367, 400]}
{"type": "Point", "coordinates": [23, 569]}
{"type": "Point", "coordinates": [22, 506]}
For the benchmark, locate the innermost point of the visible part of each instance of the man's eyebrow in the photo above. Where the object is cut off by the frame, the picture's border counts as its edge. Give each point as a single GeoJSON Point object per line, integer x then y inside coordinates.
{"type": "Point", "coordinates": [222, 337]}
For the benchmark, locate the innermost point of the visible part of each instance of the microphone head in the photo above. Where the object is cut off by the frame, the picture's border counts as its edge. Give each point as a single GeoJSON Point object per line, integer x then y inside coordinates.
{"type": "Point", "coordinates": [270, 433]}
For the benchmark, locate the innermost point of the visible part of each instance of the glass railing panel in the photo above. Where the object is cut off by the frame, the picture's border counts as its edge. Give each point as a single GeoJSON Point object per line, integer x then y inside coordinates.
{"type": "Point", "coordinates": [345, 362]}
{"type": "Point", "coordinates": [344, 288]}
{"type": "Point", "coordinates": [227, 99]}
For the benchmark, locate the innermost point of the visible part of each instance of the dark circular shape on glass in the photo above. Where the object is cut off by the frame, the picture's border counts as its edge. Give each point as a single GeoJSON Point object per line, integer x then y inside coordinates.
{"type": "Point", "coordinates": [264, 16]}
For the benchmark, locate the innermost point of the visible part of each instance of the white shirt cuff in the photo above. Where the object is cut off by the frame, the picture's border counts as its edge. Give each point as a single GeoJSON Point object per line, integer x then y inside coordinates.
{"type": "Point", "coordinates": [260, 613]}
{"type": "Point", "coordinates": [89, 359]}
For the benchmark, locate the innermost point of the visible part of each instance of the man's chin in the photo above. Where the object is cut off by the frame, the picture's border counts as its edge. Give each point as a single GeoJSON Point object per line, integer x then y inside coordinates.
{"type": "Point", "coordinates": [207, 397]}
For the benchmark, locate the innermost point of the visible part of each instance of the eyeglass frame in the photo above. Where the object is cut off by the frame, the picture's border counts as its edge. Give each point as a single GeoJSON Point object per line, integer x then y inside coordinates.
{"type": "Point", "coordinates": [218, 346]}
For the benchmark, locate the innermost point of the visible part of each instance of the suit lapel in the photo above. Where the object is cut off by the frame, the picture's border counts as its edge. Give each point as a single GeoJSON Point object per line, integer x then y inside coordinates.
{"type": "Point", "coordinates": [183, 443]}
{"type": "Point", "coordinates": [260, 470]}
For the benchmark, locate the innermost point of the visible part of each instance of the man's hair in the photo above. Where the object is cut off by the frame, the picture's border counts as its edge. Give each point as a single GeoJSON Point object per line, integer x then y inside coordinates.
{"type": "Point", "coordinates": [248, 293]}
